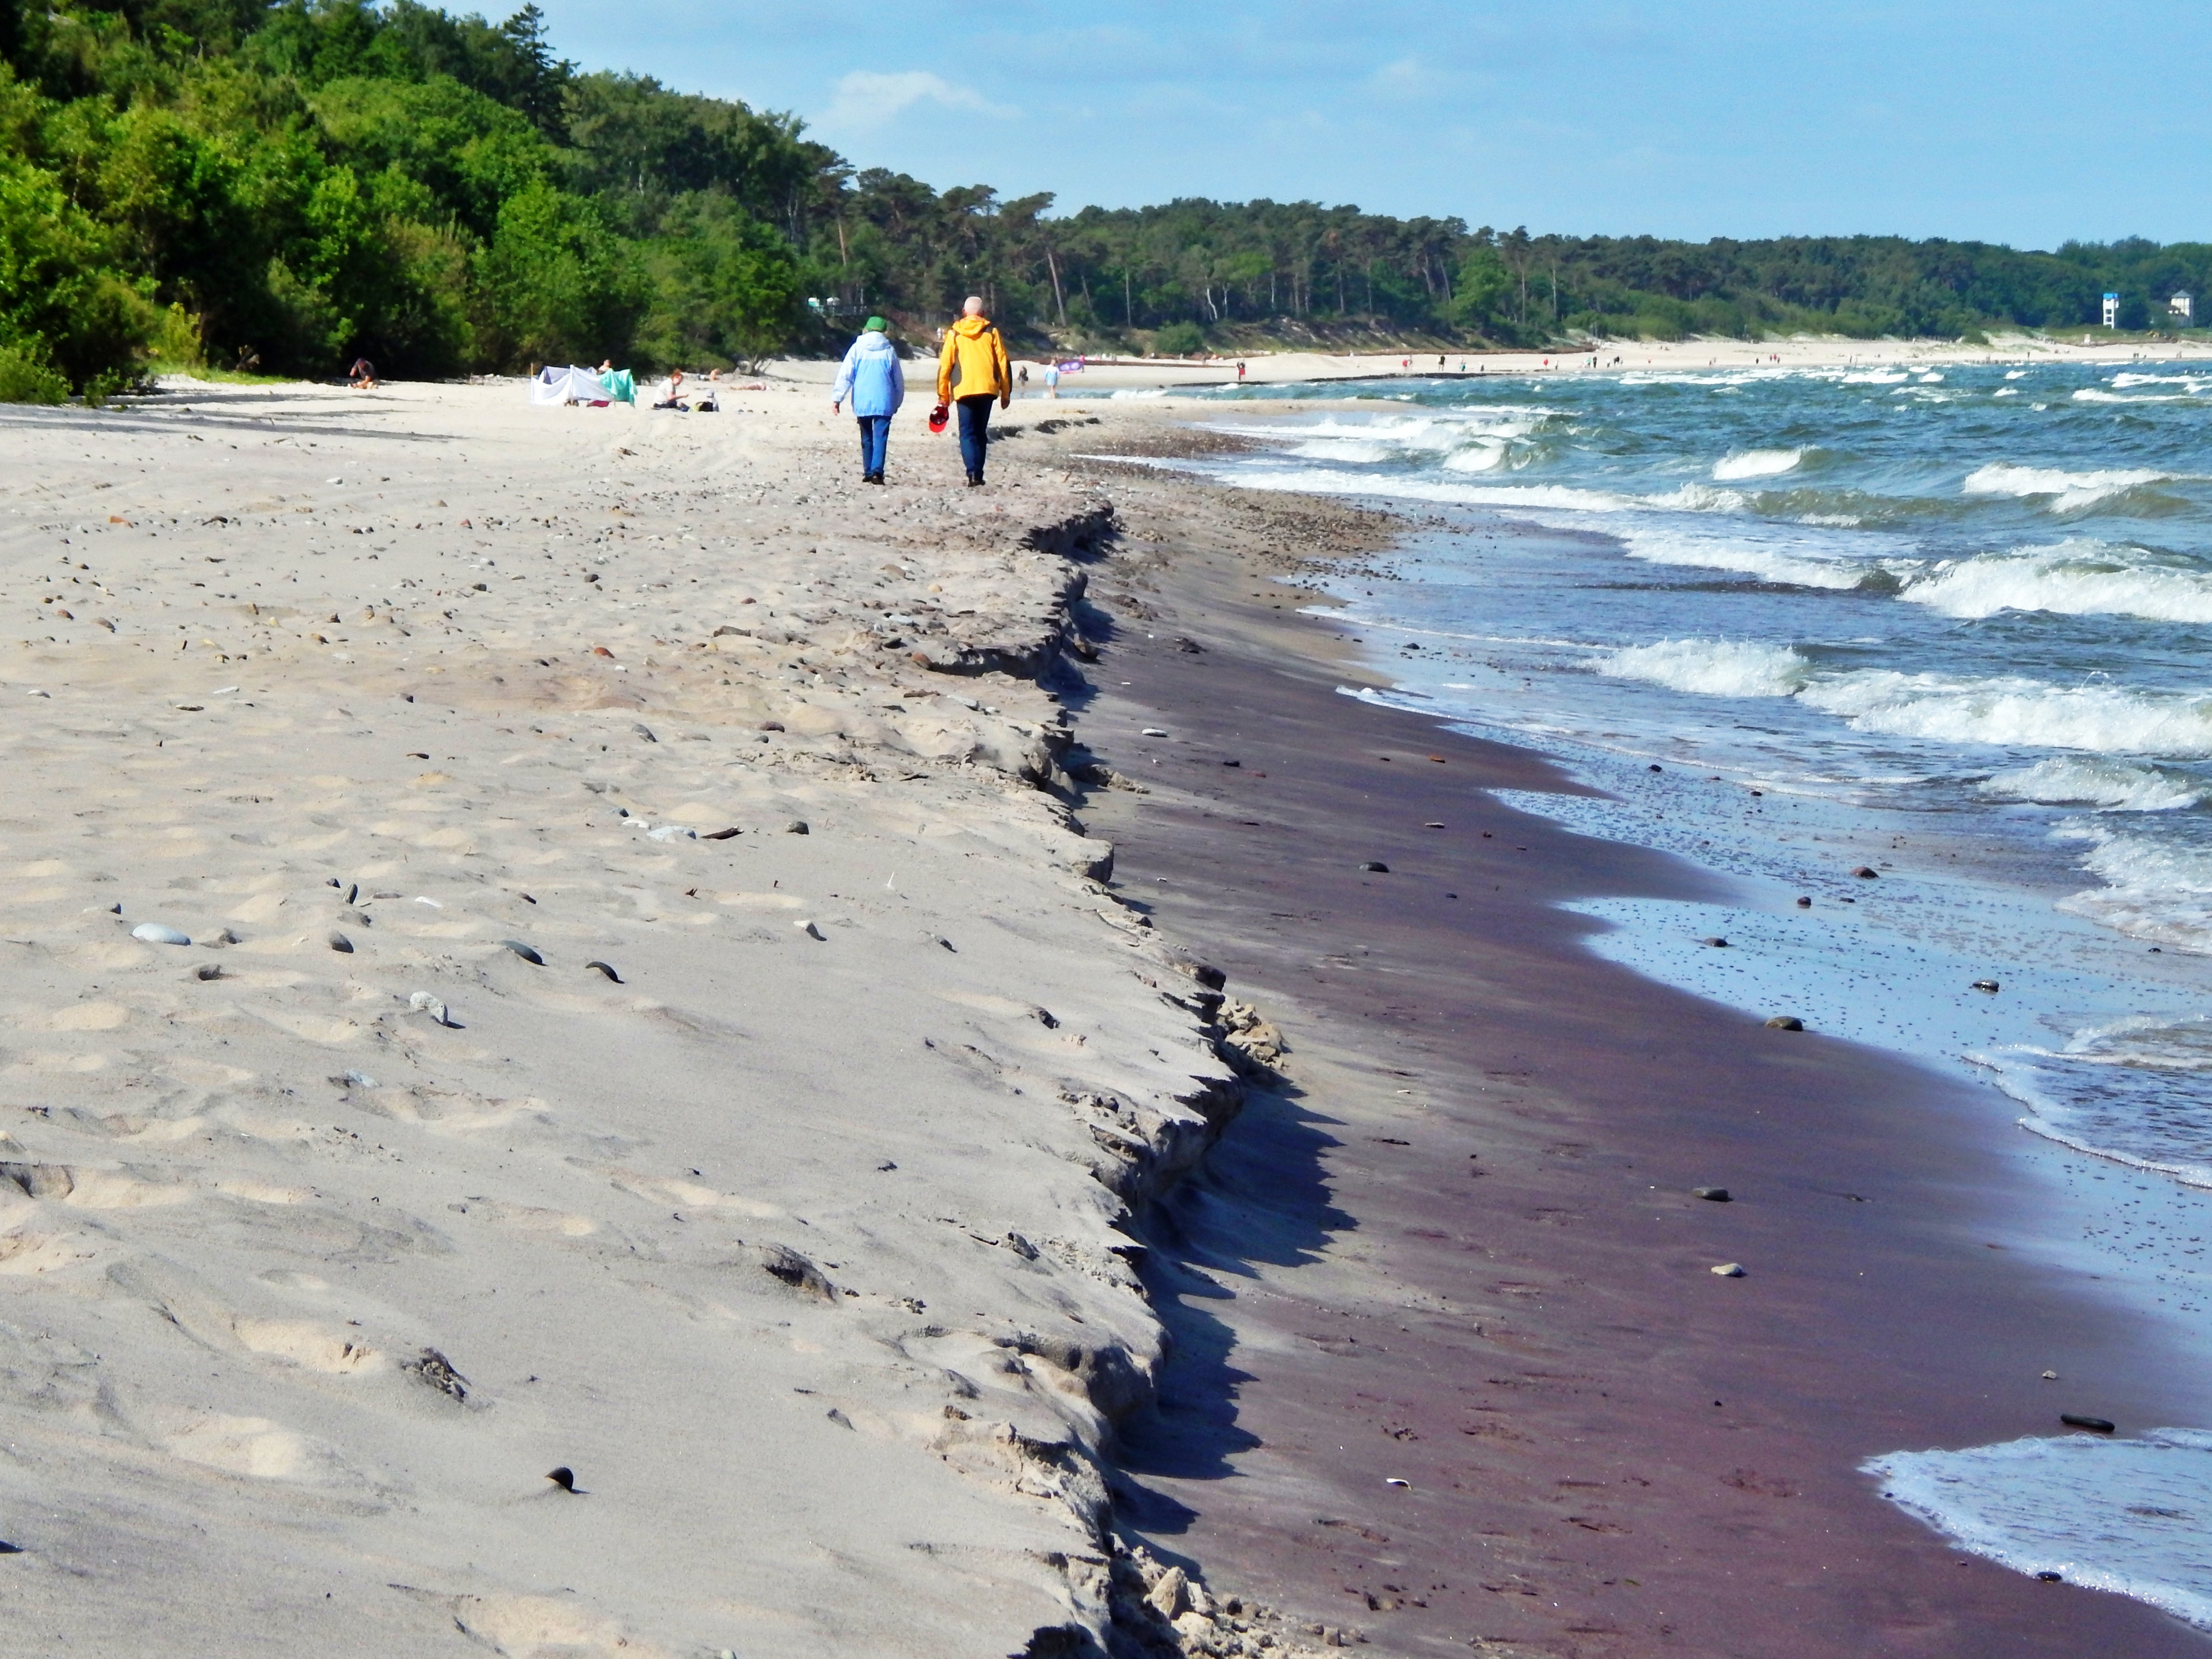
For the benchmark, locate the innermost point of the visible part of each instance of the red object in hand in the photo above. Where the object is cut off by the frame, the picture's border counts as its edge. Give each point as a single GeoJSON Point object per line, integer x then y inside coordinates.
{"type": "Point", "coordinates": [939, 417]}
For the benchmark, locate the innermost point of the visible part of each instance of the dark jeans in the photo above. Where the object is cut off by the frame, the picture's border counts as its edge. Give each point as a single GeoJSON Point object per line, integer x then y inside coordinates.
{"type": "Point", "coordinates": [875, 440]}
{"type": "Point", "coordinates": [975, 430]}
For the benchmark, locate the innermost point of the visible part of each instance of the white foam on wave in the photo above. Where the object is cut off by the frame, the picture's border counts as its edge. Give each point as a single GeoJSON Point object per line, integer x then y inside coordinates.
{"type": "Point", "coordinates": [2109, 785]}
{"type": "Point", "coordinates": [1320, 481]}
{"type": "Point", "coordinates": [1712, 668]}
{"type": "Point", "coordinates": [2122, 1515]}
{"type": "Point", "coordinates": [1877, 377]}
{"type": "Point", "coordinates": [2069, 492]}
{"type": "Point", "coordinates": [2016, 713]}
{"type": "Point", "coordinates": [2089, 394]}
{"type": "Point", "coordinates": [1756, 464]}
{"type": "Point", "coordinates": [2157, 888]}
{"type": "Point", "coordinates": [2194, 382]}
{"type": "Point", "coordinates": [2076, 578]}
{"type": "Point", "coordinates": [1746, 552]}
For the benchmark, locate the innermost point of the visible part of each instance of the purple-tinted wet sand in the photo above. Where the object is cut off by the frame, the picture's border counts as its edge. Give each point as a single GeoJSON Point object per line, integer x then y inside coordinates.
{"type": "Point", "coordinates": [1609, 1450]}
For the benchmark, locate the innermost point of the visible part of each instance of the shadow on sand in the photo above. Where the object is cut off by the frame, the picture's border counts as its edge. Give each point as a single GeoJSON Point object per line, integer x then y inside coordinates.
{"type": "Point", "coordinates": [1260, 1200]}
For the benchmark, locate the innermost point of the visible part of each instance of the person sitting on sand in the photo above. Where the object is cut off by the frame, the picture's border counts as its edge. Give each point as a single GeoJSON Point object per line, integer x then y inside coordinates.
{"type": "Point", "coordinates": [975, 359]}
{"type": "Point", "coordinates": [871, 378]}
{"type": "Point", "coordinates": [675, 397]}
{"type": "Point", "coordinates": [362, 375]}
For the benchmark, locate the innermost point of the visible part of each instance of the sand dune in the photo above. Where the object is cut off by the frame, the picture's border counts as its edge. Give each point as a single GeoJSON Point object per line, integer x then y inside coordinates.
{"type": "Point", "coordinates": [505, 1112]}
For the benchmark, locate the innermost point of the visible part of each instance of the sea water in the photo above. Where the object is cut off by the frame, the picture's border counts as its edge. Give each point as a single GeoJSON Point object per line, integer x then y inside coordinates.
{"type": "Point", "coordinates": [1947, 623]}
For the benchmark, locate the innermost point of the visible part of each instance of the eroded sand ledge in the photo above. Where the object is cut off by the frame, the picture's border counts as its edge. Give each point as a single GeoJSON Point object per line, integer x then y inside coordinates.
{"type": "Point", "coordinates": [791, 1230]}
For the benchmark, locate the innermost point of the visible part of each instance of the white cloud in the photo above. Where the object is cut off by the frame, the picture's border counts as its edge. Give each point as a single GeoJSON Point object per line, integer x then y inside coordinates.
{"type": "Point", "coordinates": [866, 99]}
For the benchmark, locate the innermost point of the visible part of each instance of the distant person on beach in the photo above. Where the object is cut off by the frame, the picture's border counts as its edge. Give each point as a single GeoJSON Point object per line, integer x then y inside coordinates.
{"type": "Point", "coordinates": [871, 379]}
{"type": "Point", "coordinates": [1021, 375]}
{"type": "Point", "coordinates": [362, 375]}
{"type": "Point", "coordinates": [1240, 371]}
{"type": "Point", "coordinates": [675, 397]}
{"type": "Point", "coordinates": [1051, 379]}
{"type": "Point", "coordinates": [974, 361]}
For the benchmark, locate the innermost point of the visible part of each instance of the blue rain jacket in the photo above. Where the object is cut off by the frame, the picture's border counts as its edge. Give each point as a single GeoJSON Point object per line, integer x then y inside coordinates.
{"type": "Point", "coordinates": [869, 380]}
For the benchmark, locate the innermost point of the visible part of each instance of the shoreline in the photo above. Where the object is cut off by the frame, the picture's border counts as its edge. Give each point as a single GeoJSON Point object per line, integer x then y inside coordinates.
{"type": "Point", "coordinates": [1759, 1524]}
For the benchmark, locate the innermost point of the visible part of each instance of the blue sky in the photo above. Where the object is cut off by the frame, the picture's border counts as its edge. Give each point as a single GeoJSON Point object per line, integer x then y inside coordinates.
{"type": "Point", "coordinates": [2026, 123]}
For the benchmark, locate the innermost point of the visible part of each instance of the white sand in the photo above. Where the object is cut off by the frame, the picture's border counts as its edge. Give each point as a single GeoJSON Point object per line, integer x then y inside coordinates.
{"type": "Point", "coordinates": [263, 641]}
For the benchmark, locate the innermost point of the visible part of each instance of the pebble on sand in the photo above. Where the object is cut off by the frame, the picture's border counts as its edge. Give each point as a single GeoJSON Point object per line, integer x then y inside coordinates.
{"type": "Point", "coordinates": [155, 933]}
{"type": "Point", "coordinates": [1712, 1194]}
{"type": "Point", "coordinates": [564, 1477]}
{"type": "Point", "coordinates": [1867, 872]}
{"type": "Point", "coordinates": [2095, 1425]}
{"type": "Point", "coordinates": [1718, 943]}
{"type": "Point", "coordinates": [423, 1001]}
{"type": "Point", "coordinates": [523, 951]}
{"type": "Point", "coordinates": [810, 930]}
{"type": "Point", "coordinates": [1374, 867]}
{"type": "Point", "coordinates": [339, 942]}
{"type": "Point", "coordinates": [797, 827]}
{"type": "Point", "coordinates": [1729, 1270]}
{"type": "Point", "coordinates": [1804, 903]}
{"type": "Point", "coordinates": [603, 968]}
{"type": "Point", "coordinates": [1154, 732]}
{"type": "Point", "coordinates": [1989, 985]}
{"type": "Point", "coordinates": [1785, 1023]}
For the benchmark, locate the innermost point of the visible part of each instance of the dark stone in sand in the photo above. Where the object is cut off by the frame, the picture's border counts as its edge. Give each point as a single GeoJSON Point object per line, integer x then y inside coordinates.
{"type": "Point", "coordinates": [1712, 1194]}
{"type": "Point", "coordinates": [1867, 872]}
{"type": "Point", "coordinates": [1716, 943]}
{"type": "Point", "coordinates": [1985, 985]}
{"type": "Point", "coordinates": [564, 1477]}
{"type": "Point", "coordinates": [207, 970]}
{"type": "Point", "coordinates": [1785, 1023]}
{"type": "Point", "coordinates": [1232, 762]}
{"type": "Point", "coordinates": [6, 1548]}
{"type": "Point", "coordinates": [434, 1367]}
{"type": "Point", "coordinates": [1374, 868]}
{"type": "Point", "coordinates": [719, 835]}
{"type": "Point", "coordinates": [785, 1266]}
{"type": "Point", "coordinates": [603, 968]}
{"type": "Point", "coordinates": [796, 827]}
{"type": "Point", "coordinates": [2095, 1425]}
{"type": "Point", "coordinates": [1658, 769]}
{"type": "Point", "coordinates": [643, 730]}
{"type": "Point", "coordinates": [339, 942]}
{"type": "Point", "coordinates": [1804, 904]}
{"type": "Point", "coordinates": [771, 725]}
{"type": "Point", "coordinates": [1212, 978]}
{"type": "Point", "coordinates": [523, 951]}
{"type": "Point", "coordinates": [2053, 1577]}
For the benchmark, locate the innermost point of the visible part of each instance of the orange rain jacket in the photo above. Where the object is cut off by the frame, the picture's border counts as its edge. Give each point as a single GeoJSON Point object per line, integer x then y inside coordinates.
{"type": "Point", "coordinates": [974, 357]}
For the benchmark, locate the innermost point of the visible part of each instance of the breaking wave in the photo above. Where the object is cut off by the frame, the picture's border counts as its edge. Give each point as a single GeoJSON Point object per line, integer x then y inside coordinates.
{"type": "Point", "coordinates": [1713, 668]}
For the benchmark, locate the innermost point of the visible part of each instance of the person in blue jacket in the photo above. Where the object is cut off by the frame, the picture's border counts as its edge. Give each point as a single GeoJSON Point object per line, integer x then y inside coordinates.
{"type": "Point", "coordinates": [872, 379]}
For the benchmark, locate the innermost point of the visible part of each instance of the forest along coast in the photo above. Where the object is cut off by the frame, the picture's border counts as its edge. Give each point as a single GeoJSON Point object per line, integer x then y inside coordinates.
{"type": "Point", "coordinates": [570, 1080]}
{"type": "Point", "coordinates": [293, 188]}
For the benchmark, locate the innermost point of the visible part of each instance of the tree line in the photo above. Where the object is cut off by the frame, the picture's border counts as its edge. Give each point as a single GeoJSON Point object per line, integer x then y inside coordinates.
{"type": "Point", "coordinates": [287, 184]}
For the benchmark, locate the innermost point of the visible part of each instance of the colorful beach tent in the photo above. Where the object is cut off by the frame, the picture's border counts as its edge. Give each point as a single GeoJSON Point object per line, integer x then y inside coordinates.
{"type": "Point", "coordinates": [583, 386]}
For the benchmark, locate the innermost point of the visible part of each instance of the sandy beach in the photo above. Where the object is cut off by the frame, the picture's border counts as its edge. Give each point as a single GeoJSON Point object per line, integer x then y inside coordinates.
{"type": "Point", "coordinates": [586, 941]}
{"type": "Point", "coordinates": [641, 1018]}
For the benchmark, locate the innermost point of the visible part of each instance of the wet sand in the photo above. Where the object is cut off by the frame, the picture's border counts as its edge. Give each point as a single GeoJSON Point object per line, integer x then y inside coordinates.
{"type": "Point", "coordinates": [1458, 1248]}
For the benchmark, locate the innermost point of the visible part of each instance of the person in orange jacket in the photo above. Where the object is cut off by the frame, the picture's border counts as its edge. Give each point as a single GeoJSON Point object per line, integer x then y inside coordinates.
{"type": "Point", "coordinates": [974, 359]}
